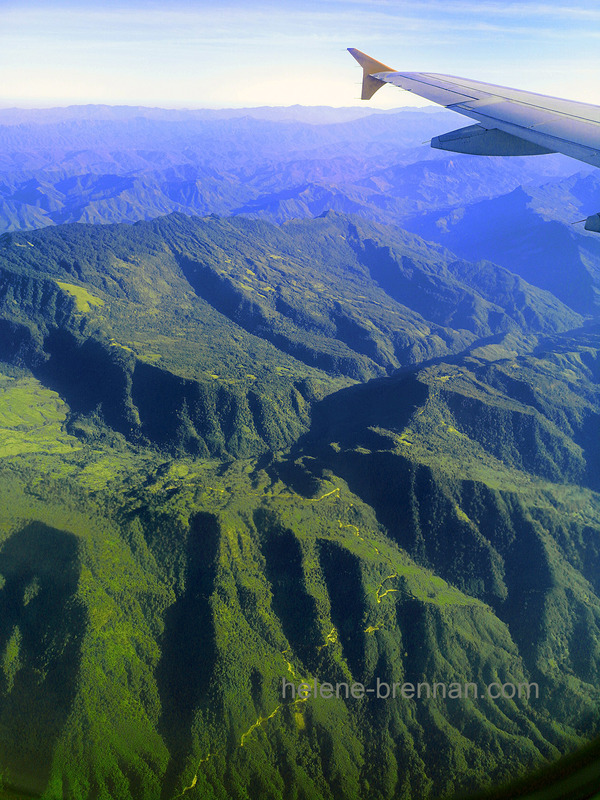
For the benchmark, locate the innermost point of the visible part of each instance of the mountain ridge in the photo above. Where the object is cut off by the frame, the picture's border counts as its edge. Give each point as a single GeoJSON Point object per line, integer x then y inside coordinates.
{"type": "Point", "coordinates": [176, 265]}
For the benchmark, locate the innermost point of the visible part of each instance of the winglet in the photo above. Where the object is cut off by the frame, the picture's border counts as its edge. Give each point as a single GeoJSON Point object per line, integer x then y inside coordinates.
{"type": "Point", "coordinates": [370, 66]}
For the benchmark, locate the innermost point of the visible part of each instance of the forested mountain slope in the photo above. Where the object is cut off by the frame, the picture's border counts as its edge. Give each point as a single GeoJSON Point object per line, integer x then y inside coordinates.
{"type": "Point", "coordinates": [236, 453]}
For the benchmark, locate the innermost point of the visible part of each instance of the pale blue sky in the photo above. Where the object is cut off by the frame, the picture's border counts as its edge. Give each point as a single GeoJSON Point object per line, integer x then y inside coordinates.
{"type": "Point", "coordinates": [231, 54]}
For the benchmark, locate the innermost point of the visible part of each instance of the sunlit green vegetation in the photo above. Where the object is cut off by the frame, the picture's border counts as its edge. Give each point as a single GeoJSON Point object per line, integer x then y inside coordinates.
{"type": "Point", "coordinates": [200, 495]}
{"type": "Point", "coordinates": [84, 300]}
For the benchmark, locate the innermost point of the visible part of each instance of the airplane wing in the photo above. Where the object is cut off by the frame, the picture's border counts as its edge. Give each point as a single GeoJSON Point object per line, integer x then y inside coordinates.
{"type": "Point", "coordinates": [532, 123]}
{"type": "Point", "coordinates": [510, 122]}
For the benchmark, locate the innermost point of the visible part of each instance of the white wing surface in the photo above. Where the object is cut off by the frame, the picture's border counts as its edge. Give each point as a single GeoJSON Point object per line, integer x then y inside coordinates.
{"type": "Point", "coordinates": [509, 121]}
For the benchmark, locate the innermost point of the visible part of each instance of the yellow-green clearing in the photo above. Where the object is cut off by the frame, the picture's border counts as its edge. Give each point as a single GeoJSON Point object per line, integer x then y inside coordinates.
{"type": "Point", "coordinates": [83, 299]}
{"type": "Point", "coordinates": [32, 419]}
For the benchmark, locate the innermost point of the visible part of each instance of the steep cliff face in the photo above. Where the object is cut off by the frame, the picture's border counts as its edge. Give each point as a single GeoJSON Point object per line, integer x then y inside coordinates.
{"type": "Point", "coordinates": [34, 298]}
